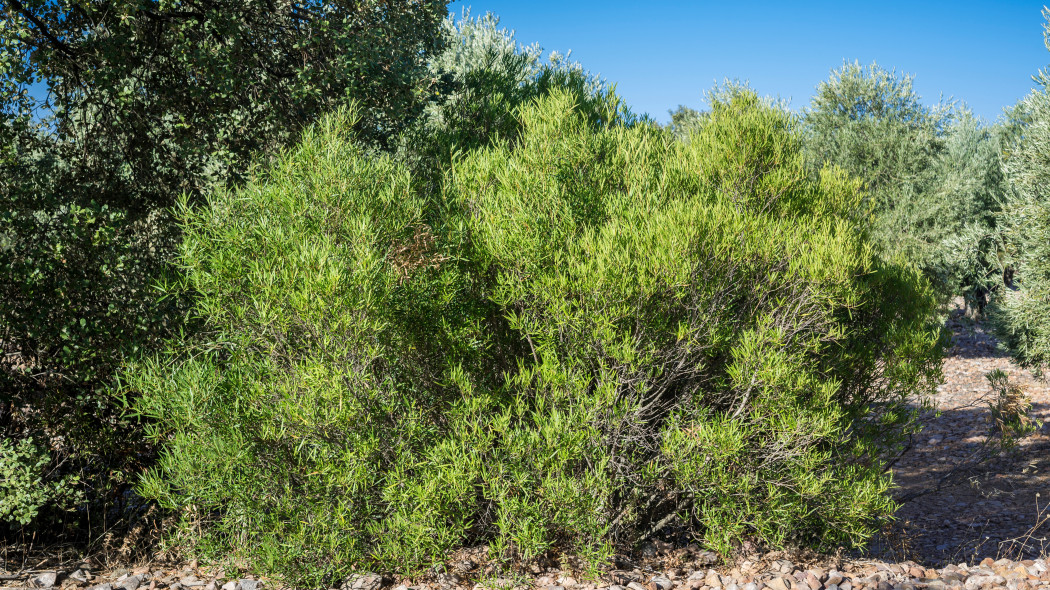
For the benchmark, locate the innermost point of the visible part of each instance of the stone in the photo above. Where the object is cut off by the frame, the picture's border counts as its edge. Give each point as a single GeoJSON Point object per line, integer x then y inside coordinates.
{"type": "Point", "coordinates": [372, 581]}
{"type": "Point", "coordinates": [782, 583]}
{"type": "Point", "coordinates": [191, 581]}
{"type": "Point", "coordinates": [831, 587]}
{"type": "Point", "coordinates": [102, 587]}
{"type": "Point", "coordinates": [79, 576]}
{"type": "Point", "coordinates": [834, 577]}
{"type": "Point", "coordinates": [660, 583]}
{"type": "Point", "coordinates": [567, 581]}
{"type": "Point", "coordinates": [987, 562]}
{"type": "Point", "coordinates": [699, 575]}
{"type": "Point", "coordinates": [811, 580]}
{"type": "Point", "coordinates": [749, 586]}
{"type": "Point", "coordinates": [707, 558]}
{"type": "Point", "coordinates": [785, 566]}
{"type": "Point", "coordinates": [713, 580]}
{"type": "Point", "coordinates": [367, 583]}
{"type": "Point", "coordinates": [555, 587]}
{"type": "Point", "coordinates": [636, 586]}
{"type": "Point", "coordinates": [231, 585]}
{"type": "Point", "coordinates": [497, 584]}
{"type": "Point", "coordinates": [980, 582]}
{"type": "Point", "coordinates": [246, 584]}
{"type": "Point", "coordinates": [131, 583]}
{"type": "Point", "coordinates": [44, 580]}
{"type": "Point", "coordinates": [616, 587]}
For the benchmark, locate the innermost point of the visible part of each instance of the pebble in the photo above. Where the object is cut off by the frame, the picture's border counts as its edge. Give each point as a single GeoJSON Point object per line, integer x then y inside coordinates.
{"type": "Point", "coordinates": [660, 583]}
{"type": "Point", "coordinates": [759, 573]}
{"type": "Point", "coordinates": [372, 581]}
{"type": "Point", "coordinates": [44, 580]}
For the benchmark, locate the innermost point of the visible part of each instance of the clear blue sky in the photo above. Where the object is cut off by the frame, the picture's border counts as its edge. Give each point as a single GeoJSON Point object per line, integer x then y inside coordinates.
{"type": "Point", "coordinates": [663, 53]}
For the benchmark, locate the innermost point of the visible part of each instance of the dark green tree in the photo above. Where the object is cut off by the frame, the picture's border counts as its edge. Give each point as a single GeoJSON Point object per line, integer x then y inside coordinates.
{"type": "Point", "coordinates": [112, 109]}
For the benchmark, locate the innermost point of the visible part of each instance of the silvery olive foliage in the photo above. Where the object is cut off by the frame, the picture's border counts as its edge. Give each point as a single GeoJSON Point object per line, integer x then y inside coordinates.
{"type": "Point", "coordinates": [932, 173]}
{"type": "Point", "coordinates": [1022, 311]}
{"type": "Point", "coordinates": [479, 81]}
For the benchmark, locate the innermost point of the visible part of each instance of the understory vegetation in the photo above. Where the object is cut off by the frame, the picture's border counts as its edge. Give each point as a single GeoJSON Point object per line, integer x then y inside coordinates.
{"type": "Point", "coordinates": [397, 292]}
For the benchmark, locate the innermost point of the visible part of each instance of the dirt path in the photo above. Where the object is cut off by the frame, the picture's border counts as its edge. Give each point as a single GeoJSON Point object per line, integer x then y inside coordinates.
{"type": "Point", "coordinates": [996, 510]}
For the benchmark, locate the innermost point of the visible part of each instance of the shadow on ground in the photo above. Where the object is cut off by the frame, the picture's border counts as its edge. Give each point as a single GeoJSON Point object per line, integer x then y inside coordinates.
{"type": "Point", "coordinates": [961, 509]}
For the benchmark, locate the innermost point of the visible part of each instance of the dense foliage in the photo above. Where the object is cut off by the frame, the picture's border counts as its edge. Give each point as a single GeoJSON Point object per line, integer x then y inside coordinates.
{"type": "Point", "coordinates": [589, 335]}
{"type": "Point", "coordinates": [147, 101]}
{"type": "Point", "coordinates": [932, 173]}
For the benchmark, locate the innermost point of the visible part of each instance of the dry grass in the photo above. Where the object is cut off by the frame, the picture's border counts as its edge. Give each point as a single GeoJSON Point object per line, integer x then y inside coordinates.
{"type": "Point", "coordinates": [418, 253]}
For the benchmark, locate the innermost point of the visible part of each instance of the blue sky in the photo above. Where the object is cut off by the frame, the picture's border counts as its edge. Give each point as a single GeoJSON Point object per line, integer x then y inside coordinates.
{"type": "Point", "coordinates": [663, 53]}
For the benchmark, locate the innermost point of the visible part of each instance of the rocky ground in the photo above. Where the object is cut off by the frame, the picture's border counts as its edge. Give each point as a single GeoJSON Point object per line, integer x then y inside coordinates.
{"type": "Point", "coordinates": [680, 569]}
{"type": "Point", "coordinates": [971, 524]}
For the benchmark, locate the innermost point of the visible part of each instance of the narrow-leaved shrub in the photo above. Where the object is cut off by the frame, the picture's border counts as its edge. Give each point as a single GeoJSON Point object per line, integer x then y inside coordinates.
{"type": "Point", "coordinates": [590, 336]}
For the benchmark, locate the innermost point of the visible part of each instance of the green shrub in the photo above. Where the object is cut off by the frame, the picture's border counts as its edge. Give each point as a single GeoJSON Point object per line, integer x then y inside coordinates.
{"type": "Point", "coordinates": [590, 336]}
{"type": "Point", "coordinates": [24, 490]}
{"type": "Point", "coordinates": [77, 298]}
